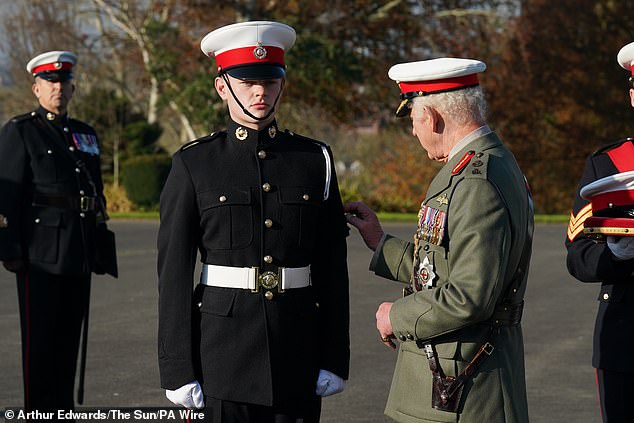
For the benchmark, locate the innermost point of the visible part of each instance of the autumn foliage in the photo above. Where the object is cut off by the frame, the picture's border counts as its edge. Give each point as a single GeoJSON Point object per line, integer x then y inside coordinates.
{"type": "Point", "coordinates": [554, 89]}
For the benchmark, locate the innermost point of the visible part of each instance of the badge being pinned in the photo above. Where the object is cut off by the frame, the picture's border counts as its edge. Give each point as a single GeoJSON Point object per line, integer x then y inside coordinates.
{"type": "Point", "coordinates": [425, 275]}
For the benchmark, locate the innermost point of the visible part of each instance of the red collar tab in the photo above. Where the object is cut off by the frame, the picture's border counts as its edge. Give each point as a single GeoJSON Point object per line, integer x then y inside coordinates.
{"type": "Point", "coordinates": [439, 85]}
{"type": "Point", "coordinates": [623, 157]}
{"type": "Point", "coordinates": [55, 66]}
{"type": "Point", "coordinates": [250, 55]}
{"type": "Point", "coordinates": [463, 162]}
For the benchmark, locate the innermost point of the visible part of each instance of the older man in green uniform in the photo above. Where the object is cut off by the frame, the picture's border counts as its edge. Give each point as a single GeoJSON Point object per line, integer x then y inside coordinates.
{"type": "Point", "coordinates": [461, 355]}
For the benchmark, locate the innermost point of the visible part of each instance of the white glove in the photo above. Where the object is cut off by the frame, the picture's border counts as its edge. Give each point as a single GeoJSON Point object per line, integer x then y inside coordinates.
{"type": "Point", "coordinates": [189, 396]}
{"type": "Point", "coordinates": [329, 383]}
{"type": "Point", "coordinates": [622, 247]}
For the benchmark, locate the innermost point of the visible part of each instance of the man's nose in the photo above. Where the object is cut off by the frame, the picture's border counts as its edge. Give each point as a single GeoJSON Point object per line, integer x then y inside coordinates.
{"type": "Point", "coordinates": [259, 89]}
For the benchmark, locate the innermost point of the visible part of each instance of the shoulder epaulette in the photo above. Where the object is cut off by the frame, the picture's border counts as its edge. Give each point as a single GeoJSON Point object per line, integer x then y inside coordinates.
{"type": "Point", "coordinates": [303, 138]}
{"type": "Point", "coordinates": [24, 117]}
{"type": "Point", "coordinates": [463, 162]}
{"type": "Point", "coordinates": [477, 167]}
{"type": "Point", "coordinates": [202, 140]}
{"type": "Point", "coordinates": [612, 146]}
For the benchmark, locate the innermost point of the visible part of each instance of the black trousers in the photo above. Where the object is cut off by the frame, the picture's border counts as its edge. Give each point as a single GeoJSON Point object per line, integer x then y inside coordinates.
{"type": "Point", "coordinates": [220, 411]}
{"type": "Point", "coordinates": [51, 312]}
{"type": "Point", "coordinates": [616, 391]}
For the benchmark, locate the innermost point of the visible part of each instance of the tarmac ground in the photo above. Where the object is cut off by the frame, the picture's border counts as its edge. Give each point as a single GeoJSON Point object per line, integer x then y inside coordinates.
{"type": "Point", "coordinates": [122, 369]}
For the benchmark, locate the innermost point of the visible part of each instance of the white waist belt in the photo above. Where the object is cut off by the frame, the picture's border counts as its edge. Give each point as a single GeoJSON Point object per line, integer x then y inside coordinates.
{"type": "Point", "coordinates": [251, 277]}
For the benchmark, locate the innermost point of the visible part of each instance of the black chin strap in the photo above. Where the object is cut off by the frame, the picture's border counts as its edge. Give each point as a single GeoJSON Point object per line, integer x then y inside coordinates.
{"type": "Point", "coordinates": [246, 112]}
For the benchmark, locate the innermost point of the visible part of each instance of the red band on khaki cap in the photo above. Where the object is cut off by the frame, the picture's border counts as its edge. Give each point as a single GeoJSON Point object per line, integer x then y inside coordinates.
{"type": "Point", "coordinates": [439, 84]}
{"type": "Point", "coordinates": [55, 66]}
{"type": "Point", "coordinates": [611, 199]}
{"type": "Point", "coordinates": [247, 55]}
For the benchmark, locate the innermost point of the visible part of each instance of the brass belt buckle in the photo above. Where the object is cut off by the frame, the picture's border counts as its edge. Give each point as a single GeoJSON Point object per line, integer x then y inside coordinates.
{"type": "Point", "coordinates": [268, 280]}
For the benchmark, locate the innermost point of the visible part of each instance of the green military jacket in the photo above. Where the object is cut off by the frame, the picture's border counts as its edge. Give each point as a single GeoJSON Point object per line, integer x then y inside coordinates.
{"type": "Point", "coordinates": [483, 218]}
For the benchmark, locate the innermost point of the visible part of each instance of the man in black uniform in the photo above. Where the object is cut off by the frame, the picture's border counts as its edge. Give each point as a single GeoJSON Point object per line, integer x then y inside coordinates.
{"type": "Point", "coordinates": [52, 205]}
{"type": "Point", "coordinates": [264, 334]}
{"type": "Point", "coordinates": [611, 263]}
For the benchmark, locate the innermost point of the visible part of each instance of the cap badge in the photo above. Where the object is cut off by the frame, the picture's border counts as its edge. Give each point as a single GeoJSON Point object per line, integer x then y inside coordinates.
{"type": "Point", "coordinates": [272, 131]}
{"type": "Point", "coordinates": [50, 116]}
{"type": "Point", "coordinates": [259, 52]}
{"type": "Point", "coordinates": [58, 65]}
{"type": "Point", "coordinates": [241, 133]}
{"type": "Point", "coordinates": [4, 222]}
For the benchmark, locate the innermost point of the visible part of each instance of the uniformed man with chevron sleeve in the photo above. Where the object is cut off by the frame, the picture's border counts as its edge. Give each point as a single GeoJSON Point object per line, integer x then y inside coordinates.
{"type": "Point", "coordinates": [264, 335]}
{"type": "Point", "coordinates": [460, 355]}
{"type": "Point", "coordinates": [600, 249]}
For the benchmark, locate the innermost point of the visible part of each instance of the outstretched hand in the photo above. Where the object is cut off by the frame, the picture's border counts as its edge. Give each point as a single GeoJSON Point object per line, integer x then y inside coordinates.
{"type": "Point", "coordinates": [364, 219]}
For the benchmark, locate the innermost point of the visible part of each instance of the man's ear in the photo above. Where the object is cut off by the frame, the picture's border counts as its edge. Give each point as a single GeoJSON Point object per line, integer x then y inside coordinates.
{"type": "Point", "coordinates": [632, 96]}
{"type": "Point", "coordinates": [221, 87]}
{"type": "Point", "coordinates": [35, 90]}
{"type": "Point", "coordinates": [436, 121]}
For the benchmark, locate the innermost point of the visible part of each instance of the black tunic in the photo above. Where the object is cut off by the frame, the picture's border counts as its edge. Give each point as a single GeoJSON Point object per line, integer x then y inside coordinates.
{"type": "Point", "coordinates": [239, 345]}
{"type": "Point", "coordinates": [35, 162]}
{"type": "Point", "coordinates": [590, 261]}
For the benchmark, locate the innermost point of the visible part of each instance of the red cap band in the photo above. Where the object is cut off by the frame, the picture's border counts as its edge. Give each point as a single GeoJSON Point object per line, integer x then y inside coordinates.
{"type": "Point", "coordinates": [439, 84]}
{"type": "Point", "coordinates": [55, 66]}
{"type": "Point", "coordinates": [616, 198]}
{"type": "Point", "coordinates": [247, 55]}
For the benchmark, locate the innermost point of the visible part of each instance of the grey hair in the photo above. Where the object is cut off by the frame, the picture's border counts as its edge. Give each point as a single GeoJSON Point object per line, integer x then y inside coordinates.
{"type": "Point", "coordinates": [464, 106]}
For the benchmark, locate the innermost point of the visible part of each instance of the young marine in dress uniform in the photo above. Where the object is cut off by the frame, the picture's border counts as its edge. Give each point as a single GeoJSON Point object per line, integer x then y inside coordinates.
{"type": "Point", "coordinates": [610, 262]}
{"type": "Point", "coordinates": [265, 333]}
{"type": "Point", "coordinates": [461, 355]}
{"type": "Point", "coordinates": [50, 215]}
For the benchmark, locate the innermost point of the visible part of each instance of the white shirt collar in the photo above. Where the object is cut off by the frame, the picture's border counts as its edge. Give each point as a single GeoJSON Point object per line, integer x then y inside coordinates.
{"type": "Point", "coordinates": [476, 133]}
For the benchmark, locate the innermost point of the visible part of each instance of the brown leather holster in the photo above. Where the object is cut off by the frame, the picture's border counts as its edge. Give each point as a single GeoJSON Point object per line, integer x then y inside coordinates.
{"type": "Point", "coordinates": [447, 390]}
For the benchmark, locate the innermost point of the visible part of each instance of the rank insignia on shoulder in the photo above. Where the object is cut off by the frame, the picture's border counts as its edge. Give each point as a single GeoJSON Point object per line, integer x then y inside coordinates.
{"type": "Point", "coordinates": [463, 162]}
{"type": "Point", "coordinates": [4, 222]}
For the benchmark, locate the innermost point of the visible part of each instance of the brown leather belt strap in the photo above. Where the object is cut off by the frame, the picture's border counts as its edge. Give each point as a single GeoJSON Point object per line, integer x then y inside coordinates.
{"type": "Point", "coordinates": [449, 385]}
{"type": "Point", "coordinates": [82, 203]}
{"type": "Point", "coordinates": [504, 315]}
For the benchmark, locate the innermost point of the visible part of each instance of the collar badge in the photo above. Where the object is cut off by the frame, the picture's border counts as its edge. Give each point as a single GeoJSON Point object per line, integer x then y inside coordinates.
{"type": "Point", "coordinates": [241, 133]}
{"type": "Point", "coordinates": [272, 131]}
{"type": "Point", "coordinates": [4, 222]}
{"type": "Point", "coordinates": [50, 116]}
